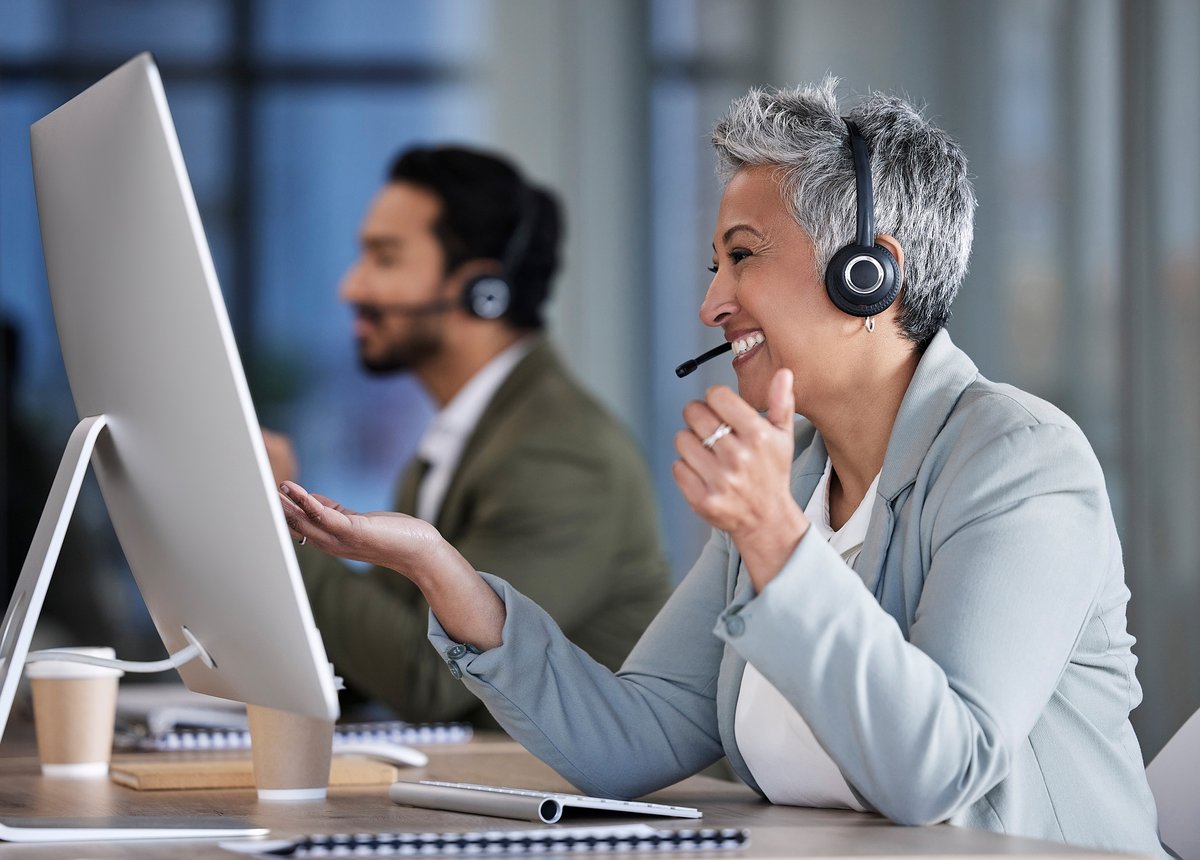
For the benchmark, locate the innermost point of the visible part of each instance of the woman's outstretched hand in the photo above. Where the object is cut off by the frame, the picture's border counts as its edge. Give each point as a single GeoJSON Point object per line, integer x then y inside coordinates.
{"type": "Point", "coordinates": [734, 469]}
{"type": "Point", "coordinates": [468, 609]}
{"type": "Point", "coordinates": [388, 539]}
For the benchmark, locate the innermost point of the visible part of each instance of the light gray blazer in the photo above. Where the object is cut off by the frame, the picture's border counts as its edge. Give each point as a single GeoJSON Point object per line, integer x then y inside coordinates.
{"type": "Point", "coordinates": [973, 665]}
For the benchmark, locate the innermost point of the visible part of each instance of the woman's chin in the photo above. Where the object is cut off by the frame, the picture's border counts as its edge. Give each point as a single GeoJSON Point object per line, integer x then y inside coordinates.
{"type": "Point", "coordinates": [753, 392]}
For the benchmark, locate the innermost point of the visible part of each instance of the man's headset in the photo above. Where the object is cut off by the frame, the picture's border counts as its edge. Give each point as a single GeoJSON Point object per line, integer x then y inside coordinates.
{"type": "Point", "coordinates": [490, 296]}
{"type": "Point", "coordinates": [487, 296]}
{"type": "Point", "coordinates": [862, 278]}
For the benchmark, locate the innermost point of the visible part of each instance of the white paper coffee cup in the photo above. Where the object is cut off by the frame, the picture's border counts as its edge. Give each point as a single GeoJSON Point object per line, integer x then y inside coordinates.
{"type": "Point", "coordinates": [74, 709]}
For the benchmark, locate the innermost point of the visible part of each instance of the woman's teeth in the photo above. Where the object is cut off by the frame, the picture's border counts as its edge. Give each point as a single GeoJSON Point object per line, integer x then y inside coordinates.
{"type": "Point", "coordinates": [743, 345]}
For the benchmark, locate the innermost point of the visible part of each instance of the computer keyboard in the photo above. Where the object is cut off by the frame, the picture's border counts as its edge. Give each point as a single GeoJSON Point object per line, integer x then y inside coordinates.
{"type": "Point", "coordinates": [579, 801]}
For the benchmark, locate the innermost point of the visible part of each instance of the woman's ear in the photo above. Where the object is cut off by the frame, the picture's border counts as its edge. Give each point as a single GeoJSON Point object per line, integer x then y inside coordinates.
{"type": "Point", "coordinates": [894, 249]}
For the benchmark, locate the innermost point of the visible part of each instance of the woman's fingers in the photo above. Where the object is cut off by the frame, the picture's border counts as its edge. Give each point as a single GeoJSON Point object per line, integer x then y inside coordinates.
{"type": "Point", "coordinates": [729, 408]}
{"type": "Point", "coordinates": [693, 454]}
{"type": "Point", "coordinates": [309, 515]}
{"type": "Point", "coordinates": [690, 483]}
{"type": "Point", "coordinates": [781, 400]}
{"type": "Point", "coordinates": [734, 461]}
{"type": "Point", "coordinates": [700, 418]}
{"type": "Point", "coordinates": [706, 429]}
{"type": "Point", "coordinates": [331, 504]}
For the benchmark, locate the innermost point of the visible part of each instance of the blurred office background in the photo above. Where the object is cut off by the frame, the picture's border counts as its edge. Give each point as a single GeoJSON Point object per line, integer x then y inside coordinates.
{"type": "Point", "coordinates": [1079, 117]}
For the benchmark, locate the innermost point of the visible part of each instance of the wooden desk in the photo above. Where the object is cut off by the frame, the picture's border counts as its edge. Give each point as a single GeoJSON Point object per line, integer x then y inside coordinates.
{"type": "Point", "coordinates": [775, 831]}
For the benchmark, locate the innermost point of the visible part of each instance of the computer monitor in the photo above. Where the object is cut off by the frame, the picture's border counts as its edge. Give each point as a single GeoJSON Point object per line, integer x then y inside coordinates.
{"type": "Point", "coordinates": [157, 382]}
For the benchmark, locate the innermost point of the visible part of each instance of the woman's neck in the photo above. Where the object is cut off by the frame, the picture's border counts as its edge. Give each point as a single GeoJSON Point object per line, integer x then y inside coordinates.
{"type": "Point", "coordinates": [856, 431]}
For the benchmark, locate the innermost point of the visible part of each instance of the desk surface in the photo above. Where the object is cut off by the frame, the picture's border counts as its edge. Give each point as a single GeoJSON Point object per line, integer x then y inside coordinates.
{"type": "Point", "coordinates": [775, 831]}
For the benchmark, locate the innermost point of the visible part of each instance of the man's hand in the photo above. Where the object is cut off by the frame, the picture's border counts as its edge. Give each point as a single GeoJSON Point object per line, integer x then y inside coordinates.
{"type": "Point", "coordinates": [281, 456]}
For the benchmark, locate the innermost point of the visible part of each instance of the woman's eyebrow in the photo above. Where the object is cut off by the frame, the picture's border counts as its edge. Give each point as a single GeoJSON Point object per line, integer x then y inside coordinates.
{"type": "Point", "coordinates": [737, 228]}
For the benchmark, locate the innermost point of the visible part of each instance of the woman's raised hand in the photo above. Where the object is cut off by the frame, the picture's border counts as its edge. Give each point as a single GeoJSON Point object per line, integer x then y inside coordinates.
{"type": "Point", "coordinates": [734, 469]}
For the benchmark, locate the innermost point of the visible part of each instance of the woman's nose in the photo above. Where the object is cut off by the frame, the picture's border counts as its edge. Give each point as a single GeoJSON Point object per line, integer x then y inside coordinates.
{"type": "Point", "coordinates": [719, 302]}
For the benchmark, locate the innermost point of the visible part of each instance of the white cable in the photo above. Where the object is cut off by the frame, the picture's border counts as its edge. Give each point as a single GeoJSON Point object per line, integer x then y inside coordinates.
{"type": "Point", "coordinates": [66, 655]}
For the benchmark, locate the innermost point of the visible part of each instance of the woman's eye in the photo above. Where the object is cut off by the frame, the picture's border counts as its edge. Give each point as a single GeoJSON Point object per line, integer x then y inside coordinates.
{"type": "Point", "coordinates": [712, 268]}
{"type": "Point", "coordinates": [738, 255]}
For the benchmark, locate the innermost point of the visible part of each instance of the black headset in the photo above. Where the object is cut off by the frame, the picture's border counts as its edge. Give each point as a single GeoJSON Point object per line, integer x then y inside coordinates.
{"type": "Point", "coordinates": [862, 278]}
{"type": "Point", "coordinates": [490, 296]}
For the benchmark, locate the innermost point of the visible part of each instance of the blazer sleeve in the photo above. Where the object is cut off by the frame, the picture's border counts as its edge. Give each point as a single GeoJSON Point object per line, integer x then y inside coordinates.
{"type": "Point", "coordinates": [613, 734]}
{"type": "Point", "coordinates": [373, 625]}
{"type": "Point", "coordinates": [921, 728]}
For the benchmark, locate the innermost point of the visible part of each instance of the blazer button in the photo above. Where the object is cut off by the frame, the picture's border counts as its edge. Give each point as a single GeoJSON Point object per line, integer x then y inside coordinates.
{"type": "Point", "coordinates": [455, 671]}
{"type": "Point", "coordinates": [734, 625]}
{"type": "Point", "coordinates": [456, 651]}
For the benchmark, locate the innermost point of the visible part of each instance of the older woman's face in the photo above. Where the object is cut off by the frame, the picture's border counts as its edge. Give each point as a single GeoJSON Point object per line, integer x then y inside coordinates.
{"type": "Point", "coordinates": [766, 293]}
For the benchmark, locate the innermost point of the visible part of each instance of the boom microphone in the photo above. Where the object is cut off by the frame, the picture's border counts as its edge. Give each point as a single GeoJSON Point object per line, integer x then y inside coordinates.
{"type": "Point", "coordinates": [692, 363]}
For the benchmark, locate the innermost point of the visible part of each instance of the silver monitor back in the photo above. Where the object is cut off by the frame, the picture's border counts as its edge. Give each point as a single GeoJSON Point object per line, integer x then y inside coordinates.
{"type": "Point", "coordinates": [147, 343]}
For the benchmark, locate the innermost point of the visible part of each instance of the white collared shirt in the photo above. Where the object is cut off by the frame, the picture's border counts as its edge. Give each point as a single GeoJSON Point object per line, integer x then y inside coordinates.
{"type": "Point", "coordinates": [447, 435]}
{"type": "Point", "coordinates": [779, 748]}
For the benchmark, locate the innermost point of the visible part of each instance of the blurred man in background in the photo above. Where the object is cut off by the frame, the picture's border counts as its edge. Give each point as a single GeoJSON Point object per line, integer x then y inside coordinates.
{"type": "Point", "coordinates": [521, 470]}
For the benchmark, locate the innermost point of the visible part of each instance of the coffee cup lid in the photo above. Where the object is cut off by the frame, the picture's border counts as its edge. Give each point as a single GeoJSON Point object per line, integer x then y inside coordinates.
{"type": "Point", "coordinates": [63, 669]}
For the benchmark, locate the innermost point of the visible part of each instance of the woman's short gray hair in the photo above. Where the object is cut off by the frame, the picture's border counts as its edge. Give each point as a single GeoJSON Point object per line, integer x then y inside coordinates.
{"type": "Point", "coordinates": [923, 196]}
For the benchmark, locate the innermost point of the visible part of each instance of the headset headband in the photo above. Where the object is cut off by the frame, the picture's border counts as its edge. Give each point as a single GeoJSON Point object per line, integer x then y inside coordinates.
{"type": "Point", "coordinates": [865, 214]}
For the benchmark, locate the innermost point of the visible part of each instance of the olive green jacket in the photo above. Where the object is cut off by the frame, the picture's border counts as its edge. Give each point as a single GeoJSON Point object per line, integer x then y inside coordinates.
{"type": "Point", "coordinates": [552, 494]}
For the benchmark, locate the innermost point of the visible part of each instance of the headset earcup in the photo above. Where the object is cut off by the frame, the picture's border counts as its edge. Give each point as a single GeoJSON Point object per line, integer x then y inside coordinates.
{"type": "Point", "coordinates": [862, 280]}
{"type": "Point", "coordinates": [487, 296]}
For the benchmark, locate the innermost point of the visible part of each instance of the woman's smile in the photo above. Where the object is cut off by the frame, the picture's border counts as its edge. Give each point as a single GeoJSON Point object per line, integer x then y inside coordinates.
{"type": "Point", "coordinates": [746, 345]}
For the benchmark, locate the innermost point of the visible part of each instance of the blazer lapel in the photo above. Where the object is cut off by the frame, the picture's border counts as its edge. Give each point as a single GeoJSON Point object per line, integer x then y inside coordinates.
{"type": "Point", "coordinates": [942, 375]}
{"type": "Point", "coordinates": [539, 361]}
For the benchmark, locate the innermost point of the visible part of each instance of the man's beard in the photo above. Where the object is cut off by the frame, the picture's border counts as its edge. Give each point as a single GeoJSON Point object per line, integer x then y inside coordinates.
{"type": "Point", "coordinates": [417, 347]}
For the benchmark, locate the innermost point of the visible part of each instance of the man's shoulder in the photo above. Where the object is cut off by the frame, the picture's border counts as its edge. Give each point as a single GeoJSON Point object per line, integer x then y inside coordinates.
{"type": "Point", "coordinates": [544, 424]}
{"type": "Point", "coordinates": [545, 400]}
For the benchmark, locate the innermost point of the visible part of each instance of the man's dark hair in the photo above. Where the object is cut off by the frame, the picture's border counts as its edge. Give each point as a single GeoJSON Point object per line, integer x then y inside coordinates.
{"type": "Point", "coordinates": [483, 200]}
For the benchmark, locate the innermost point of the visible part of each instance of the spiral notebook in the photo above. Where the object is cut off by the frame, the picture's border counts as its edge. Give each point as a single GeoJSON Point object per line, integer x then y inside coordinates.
{"type": "Point", "coordinates": [623, 838]}
{"type": "Point", "coordinates": [387, 732]}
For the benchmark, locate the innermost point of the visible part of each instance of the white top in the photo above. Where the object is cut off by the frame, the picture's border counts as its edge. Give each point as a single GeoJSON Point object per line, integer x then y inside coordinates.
{"type": "Point", "coordinates": [444, 440]}
{"type": "Point", "coordinates": [780, 750]}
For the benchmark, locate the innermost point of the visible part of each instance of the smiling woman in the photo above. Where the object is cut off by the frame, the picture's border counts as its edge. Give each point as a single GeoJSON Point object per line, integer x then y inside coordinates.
{"type": "Point", "coordinates": [913, 600]}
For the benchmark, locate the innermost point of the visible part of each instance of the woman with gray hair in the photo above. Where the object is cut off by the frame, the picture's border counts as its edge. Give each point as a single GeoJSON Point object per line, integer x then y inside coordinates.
{"type": "Point", "coordinates": [913, 599]}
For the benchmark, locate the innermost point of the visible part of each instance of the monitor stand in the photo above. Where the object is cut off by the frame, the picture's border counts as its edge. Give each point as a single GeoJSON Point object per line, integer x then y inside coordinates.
{"type": "Point", "coordinates": [15, 635]}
